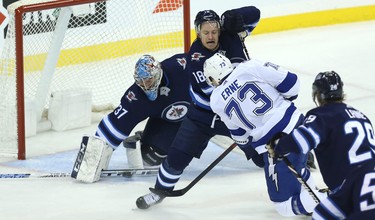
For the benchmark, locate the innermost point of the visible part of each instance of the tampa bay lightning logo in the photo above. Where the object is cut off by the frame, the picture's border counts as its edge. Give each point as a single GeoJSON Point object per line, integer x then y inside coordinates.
{"type": "Point", "coordinates": [176, 111]}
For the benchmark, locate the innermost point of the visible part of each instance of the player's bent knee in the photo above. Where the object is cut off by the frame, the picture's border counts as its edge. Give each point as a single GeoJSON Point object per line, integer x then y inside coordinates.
{"type": "Point", "coordinates": [93, 157]}
{"type": "Point", "coordinates": [301, 204]}
{"type": "Point", "coordinates": [284, 208]}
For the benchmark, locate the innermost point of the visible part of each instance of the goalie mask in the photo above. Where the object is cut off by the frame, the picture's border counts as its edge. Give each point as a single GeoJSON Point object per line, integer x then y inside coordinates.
{"type": "Point", "coordinates": [206, 16]}
{"type": "Point", "coordinates": [147, 75]}
{"type": "Point", "coordinates": [216, 68]}
{"type": "Point", "coordinates": [327, 86]}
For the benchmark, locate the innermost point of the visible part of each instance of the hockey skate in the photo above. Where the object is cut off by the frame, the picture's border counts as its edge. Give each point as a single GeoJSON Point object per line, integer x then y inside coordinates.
{"type": "Point", "coordinates": [148, 200]}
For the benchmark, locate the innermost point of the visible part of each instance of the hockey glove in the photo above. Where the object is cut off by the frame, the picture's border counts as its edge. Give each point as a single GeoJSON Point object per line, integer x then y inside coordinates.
{"type": "Point", "coordinates": [251, 153]}
{"type": "Point", "coordinates": [151, 157]}
{"type": "Point", "coordinates": [258, 160]}
{"type": "Point", "coordinates": [272, 145]}
{"type": "Point", "coordinates": [232, 22]}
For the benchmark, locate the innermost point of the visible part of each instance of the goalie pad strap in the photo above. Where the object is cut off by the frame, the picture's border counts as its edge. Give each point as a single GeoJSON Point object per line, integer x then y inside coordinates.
{"type": "Point", "coordinates": [94, 156]}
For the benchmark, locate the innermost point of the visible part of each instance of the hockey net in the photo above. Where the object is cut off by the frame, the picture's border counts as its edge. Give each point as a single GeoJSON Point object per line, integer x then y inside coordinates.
{"type": "Point", "coordinates": [84, 48]}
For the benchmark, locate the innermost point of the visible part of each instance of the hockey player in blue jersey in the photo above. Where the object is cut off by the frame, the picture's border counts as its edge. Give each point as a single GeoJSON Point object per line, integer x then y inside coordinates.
{"type": "Point", "coordinates": [201, 124]}
{"type": "Point", "coordinates": [159, 94]}
{"type": "Point", "coordinates": [254, 100]}
{"type": "Point", "coordinates": [343, 140]}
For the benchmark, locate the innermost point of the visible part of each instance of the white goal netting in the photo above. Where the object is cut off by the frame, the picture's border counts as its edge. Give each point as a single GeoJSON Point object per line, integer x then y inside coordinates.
{"type": "Point", "coordinates": [91, 46]}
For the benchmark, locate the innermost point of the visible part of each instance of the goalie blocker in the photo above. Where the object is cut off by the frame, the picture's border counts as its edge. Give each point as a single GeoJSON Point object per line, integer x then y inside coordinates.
{"type": "Point", "coordinates": [93, 157]}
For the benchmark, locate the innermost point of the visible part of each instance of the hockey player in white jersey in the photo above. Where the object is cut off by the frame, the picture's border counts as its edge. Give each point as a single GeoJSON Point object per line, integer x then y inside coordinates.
{"type": "Point", "coordinates": [254, 100]}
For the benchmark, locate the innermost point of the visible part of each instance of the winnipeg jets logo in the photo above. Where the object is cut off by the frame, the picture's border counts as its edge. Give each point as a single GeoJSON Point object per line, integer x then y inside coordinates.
{"type": "Point", "coordinates": [196, 56]}
{"type": "Point", "coordinates": [164, 90]}
{"type": "Point", "coordinates": [182, 62]}
{"type": "Point", "coordinates": [176, 111]}
{"type": "Point", "coordinates": [131, 96]}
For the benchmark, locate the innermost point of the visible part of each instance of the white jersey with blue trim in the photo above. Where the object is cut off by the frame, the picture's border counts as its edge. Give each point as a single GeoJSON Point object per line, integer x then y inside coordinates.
{"type": "Point", "coordinates": [253, 102]}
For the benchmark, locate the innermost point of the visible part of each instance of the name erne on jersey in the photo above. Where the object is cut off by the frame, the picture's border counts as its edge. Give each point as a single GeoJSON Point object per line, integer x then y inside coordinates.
{"type": "Point", "coordinates": [230, 89]}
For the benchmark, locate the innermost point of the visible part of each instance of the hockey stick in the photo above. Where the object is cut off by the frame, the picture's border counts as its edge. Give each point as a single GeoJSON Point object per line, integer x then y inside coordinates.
{"type": "Point", "coordinates": [245, 49]}
{"type": "Point", "coordinates": [301, 180]}
{"type": "Point", "coordinates": [105, 173]}
{"type": "Point", "coordinates": [182, 191]}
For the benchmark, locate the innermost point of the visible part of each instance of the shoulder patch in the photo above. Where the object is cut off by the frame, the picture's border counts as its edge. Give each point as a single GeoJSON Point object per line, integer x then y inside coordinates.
{"type": "Point", "coordinates": [182, 62]}
{"type": "Point", "coordinates": [131, 96]}
{"type": "Point", "coordinates": [196, 56]}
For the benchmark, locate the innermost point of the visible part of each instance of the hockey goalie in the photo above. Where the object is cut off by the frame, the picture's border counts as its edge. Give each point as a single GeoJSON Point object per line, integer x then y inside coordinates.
{"type": "Point", "coordinates": [159, 94]}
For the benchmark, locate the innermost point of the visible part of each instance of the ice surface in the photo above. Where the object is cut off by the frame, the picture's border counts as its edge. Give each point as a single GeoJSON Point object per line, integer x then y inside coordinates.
{"type": "Point", "coordinates": [235, 189]}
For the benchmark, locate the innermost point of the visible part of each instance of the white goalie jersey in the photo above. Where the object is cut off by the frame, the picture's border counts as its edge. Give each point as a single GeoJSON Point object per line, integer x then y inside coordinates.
{"type": "Point", "coordinates": [254, 101]}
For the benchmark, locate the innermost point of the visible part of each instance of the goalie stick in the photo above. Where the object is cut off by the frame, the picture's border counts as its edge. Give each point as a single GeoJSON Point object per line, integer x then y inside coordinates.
{"type": "Point", "coordinates": [105, 173]}
{"type": "Point", "coordinates": [181, 192]}
{"type": "Point", "coordinates": [301, 180]}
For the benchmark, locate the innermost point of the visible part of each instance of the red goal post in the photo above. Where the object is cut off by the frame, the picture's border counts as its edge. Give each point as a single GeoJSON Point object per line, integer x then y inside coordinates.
{"type": "Point", "coordinates": [65, 45]}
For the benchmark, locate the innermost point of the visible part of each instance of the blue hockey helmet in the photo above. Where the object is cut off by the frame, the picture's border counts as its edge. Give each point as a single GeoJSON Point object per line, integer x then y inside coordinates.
{"type": "Point", "coordinates": [147, 75]}
{"type": "Point", "coordinates": [328, 86]}
{"type": "Point", "coordinates": [205, 16]}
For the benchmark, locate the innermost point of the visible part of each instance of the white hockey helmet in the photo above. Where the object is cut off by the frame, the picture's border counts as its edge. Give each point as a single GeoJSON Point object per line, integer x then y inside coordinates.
{"type": "Point", "coordinates": [216, 68]}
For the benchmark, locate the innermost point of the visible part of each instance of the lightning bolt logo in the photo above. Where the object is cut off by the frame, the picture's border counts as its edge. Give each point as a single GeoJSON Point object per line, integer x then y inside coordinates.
{"type": "Point", "coordinates": [272, 172]}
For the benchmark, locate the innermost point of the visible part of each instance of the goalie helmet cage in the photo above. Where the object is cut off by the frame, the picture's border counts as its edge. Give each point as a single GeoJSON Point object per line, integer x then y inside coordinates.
{"type": "Point", "coordinates": [68, 44]}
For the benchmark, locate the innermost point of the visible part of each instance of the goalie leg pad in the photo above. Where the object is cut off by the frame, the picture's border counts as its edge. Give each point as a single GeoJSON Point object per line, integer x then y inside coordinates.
{"type": "Point", "coordinates": [93, 157]}
{"type": "Point", "coordinates": [133, 150]}
{"type": "Point", "coordinates": [134, 156]}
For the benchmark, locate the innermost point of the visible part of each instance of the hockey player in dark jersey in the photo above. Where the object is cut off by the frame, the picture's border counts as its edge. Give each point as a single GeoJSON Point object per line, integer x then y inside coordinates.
{"type": "Point", "coordinates": [343, 140]}
{"type": "Point", "coordinates": [201, 124]}
{"type": "Point", "coordinates": [159, 94]}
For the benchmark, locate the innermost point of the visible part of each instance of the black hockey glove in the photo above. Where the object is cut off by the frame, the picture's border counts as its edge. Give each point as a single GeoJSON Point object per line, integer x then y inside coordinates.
{"type": "Point", "coordinates": [151, 156]}
{"type": "Point", "coordinates": [252, 154]}
{"type": "Point", "coordinates": [272, 144]}
{"type": "Point", "coordinates": [232, 22]}
{"type": "Point", "coordinates": [258, 160]}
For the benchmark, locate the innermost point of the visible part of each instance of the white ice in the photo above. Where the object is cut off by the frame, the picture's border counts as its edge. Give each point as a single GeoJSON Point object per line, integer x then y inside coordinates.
{"type": "Point", "coordinates": [235, 188]}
